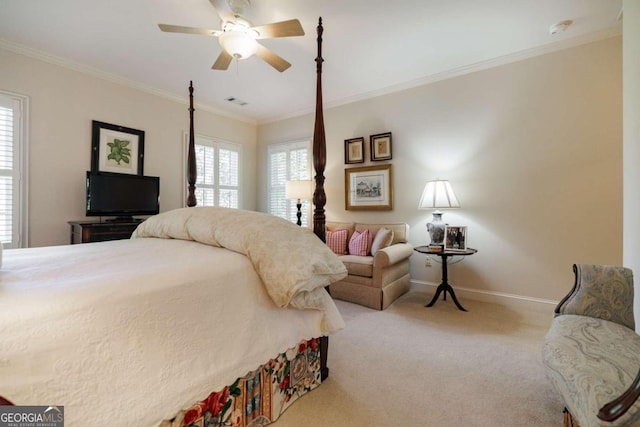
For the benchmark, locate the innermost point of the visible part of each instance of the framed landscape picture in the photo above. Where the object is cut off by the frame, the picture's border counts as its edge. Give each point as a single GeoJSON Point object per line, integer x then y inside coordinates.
{"type": "Point", "coordinates": [369, 188]}
{"type": "Point", "coordinates": [116, 149]}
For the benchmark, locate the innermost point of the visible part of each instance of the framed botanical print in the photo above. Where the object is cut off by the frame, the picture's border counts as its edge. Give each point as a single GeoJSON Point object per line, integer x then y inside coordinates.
{"type": "Point", "coordinates": [116, 149]}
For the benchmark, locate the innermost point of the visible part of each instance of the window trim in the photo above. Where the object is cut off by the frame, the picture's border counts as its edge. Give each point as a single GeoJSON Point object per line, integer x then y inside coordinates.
{"type": "Point", "coordinates": [21, 227]}
{"type": "Point", "coordinates": [217, 143]}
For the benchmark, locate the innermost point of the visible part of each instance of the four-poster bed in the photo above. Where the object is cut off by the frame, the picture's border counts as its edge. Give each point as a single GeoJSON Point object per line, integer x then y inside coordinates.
{"type": "Point", "coordinates": [194, 320]}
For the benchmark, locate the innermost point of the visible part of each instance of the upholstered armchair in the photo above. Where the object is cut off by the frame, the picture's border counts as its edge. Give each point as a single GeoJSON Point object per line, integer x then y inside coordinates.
{"type": "Point", "coordinates": [592, 352]}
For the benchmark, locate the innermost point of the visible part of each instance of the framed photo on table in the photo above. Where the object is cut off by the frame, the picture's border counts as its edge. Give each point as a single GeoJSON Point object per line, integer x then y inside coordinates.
{"type": "Point", "coordinates": [380, 146]}
{"type": "Point", "coordinates": [116, 149]}
{"type": "Point", "coordinates": [455, 238]}
{"type": "Point", "coordinates": [354, 150]}
{"type": "Point", "coordinates": [369, 188]}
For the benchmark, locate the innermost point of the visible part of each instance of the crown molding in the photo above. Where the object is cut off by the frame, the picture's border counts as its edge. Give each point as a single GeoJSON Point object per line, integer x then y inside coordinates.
{"type": "Point", "coordinates": [113, 78]}
{"type": "Point", "coordinates": [456, 72]}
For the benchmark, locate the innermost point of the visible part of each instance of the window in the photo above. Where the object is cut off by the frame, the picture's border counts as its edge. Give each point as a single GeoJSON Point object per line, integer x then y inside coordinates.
{"type": "Point", "coordinates": [287, 162]}
{"type": "Point", "coordinates": [13, 209]}
{"type": "Point", "coordinates": [218, 172]}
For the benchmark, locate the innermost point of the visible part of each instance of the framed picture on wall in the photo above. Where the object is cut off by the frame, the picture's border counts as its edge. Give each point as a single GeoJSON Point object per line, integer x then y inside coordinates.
{"type": "Point", "coordinates": [354, 150]}
{"type": "Point", "coordinates": [369, 188]}
{"type": "Point", "coordinates": [380, 146]}
{"type": "Point", "coordinates": [116, 149]}
{"type": "Point", "coordinates": [455, 238]}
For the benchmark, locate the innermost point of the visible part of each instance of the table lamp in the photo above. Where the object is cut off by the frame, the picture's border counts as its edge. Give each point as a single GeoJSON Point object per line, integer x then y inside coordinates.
{"type": "Point", "coordinates": [437, 194]}
{"type": "Point", "coordinates": [299, 190]}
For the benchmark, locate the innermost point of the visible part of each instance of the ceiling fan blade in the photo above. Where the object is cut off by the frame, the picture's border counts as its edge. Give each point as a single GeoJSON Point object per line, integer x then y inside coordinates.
{"type": "Point", "coordinates": [188, 30]}
{"type": "Point", "coordinates": [223, 61]}
{"type": "Point", "coordinates": [272, 58]}
{"type": "Point", "coordinates": [224, 10]}
{"type": "Point", "coordinates": [290, 28]}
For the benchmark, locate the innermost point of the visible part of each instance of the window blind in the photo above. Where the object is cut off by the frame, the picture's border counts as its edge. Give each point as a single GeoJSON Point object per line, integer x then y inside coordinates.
{"type": "Point", "coordinates": [288, 162]}
{"type": "Point", "coordinates": [217, 172]}
{"type": "Point", "coordinates": [9, 114]}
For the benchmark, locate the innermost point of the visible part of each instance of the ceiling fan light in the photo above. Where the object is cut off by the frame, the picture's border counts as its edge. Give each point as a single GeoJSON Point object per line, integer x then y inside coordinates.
{"type": "Point", "coordinates": [238, 44]}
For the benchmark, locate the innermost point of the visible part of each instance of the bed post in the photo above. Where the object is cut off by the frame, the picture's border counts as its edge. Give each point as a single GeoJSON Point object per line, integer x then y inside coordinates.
{"type": "Point", "coordinates": [191, 156]}
{"type": "Point", "coordinates": [319, 148]}
{"type": "Point", "coordinates": [319, 196]}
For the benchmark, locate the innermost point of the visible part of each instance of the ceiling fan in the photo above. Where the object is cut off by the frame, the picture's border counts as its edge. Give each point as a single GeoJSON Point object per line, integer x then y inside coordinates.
{"type": "Point", "coordinates": [238, 36]}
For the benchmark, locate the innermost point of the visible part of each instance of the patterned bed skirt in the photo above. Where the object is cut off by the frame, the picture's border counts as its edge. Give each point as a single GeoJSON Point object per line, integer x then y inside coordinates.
{"type": "Point", "coordinates": [258, 398]}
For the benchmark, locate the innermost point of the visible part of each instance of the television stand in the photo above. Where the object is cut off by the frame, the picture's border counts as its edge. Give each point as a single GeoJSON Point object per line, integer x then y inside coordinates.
{"type": "Point", "coordinates": [94, 231]}
{"type": "Point", "coordinates": [122, 219]}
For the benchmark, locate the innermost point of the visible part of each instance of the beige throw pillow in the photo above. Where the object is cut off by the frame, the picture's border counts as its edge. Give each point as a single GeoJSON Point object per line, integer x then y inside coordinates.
{"type": "Point", "coordinates": [383, 238]}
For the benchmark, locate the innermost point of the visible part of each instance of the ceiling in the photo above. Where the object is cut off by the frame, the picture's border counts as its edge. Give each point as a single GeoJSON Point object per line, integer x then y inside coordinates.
{"type": "Point", "coordinates": [370, 46]}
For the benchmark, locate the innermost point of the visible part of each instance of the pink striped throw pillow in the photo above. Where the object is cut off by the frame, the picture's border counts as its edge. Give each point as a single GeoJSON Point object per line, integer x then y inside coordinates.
{"type": "Point", "coordinates": [337, 241]}
{"type": "Point", "coordinates": [360, 243]}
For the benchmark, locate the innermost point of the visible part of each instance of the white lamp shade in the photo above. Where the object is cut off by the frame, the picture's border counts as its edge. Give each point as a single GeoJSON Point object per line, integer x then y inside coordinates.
{"type": "Point", "coordinates": [438, 194]}
{"type": "Point", "coordinates": [302, 189]}
{"type": "Point", "coordinates": [238, 44]}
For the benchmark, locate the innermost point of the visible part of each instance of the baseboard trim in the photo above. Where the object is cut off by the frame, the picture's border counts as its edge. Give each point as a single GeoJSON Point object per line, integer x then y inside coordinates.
{"type": "Point", "coordinates": [510, 300]}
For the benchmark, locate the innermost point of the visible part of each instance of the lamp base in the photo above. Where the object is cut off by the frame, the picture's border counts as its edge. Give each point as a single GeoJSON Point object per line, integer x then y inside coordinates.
{"type": "Point", "coordinates": [436, 229]}
{"type": "Point", "coordinates": [299, 213]}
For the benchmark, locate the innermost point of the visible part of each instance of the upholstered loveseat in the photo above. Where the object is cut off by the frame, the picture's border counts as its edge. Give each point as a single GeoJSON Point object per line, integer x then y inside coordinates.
{"type": "Point", "coordinates": [378, 278]}
{"type": "Point", "coordinates": [592, 353]}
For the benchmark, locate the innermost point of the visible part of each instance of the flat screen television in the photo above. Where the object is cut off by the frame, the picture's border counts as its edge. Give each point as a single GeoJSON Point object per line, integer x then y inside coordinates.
{"type": "Point", "coordinates": [122, 195]}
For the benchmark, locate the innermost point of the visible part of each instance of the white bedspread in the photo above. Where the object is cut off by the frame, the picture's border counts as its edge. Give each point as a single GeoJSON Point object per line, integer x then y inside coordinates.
{"type": "Point", "coordinates": [129, 332]}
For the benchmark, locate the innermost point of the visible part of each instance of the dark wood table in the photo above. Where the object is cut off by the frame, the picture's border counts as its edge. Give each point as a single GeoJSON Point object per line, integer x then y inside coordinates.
{"type": "Point", "coordinates": [445, 287]}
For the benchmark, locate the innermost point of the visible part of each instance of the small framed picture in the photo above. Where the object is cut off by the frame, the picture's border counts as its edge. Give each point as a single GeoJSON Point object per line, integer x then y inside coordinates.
{"type": "Point", "coordinates": [354, 150]}
{"type": "Point", "coordinates": [380, 146]}
{"type": "Point", "coordinates": [116, 149]}
{"type": "Point", "coordinates": [455, 238]}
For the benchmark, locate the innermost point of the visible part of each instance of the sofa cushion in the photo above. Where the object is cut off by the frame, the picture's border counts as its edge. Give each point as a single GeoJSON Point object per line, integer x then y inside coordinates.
{"type": "Point", "coordinates": [334, 226]}
{"type": "Point", "coordinates": [337, 241]}
{"type": "Point", "coordinates": [383, 238]}
{"type": "Point", "coordinates": [358, 265]}
{"type": "Point", "coordinates": [400, 230]}
{"type": "Point", "coordinates": [360, 243]}
{"type": "Point", "coordinates": [591, 362]}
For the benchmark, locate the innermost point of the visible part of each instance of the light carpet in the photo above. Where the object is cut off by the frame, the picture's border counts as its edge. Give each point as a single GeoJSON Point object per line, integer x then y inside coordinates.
{"type": "Point", "coordinates": [414, 366]}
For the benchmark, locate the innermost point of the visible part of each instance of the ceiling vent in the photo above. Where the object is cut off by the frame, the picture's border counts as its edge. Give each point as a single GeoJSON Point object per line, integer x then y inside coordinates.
{"type": "Point", "coordinates": [236, 101]}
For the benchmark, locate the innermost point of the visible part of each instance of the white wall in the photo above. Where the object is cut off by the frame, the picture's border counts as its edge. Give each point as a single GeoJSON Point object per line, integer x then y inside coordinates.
{"type": "Point", "coordinates": [631, 131]}
{"type": "Point", "coordinates": [63, 102]}
{"type": "Point", "coordinates": [533, 150]}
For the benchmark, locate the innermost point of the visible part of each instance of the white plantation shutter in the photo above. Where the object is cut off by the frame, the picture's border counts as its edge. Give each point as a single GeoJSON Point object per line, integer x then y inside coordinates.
{"type": "Point", "coordinates": [205, 157]}
{"type": "Point", "coordinates": [277, 179]}
{"type": "Point", "coordinates": [218, 172]}
{"type": "Point", "coordinates": [12, 189]}
{"type": "Point", "coordinates": [228, 173]}
{"type": "Point", "coordinates": [288, 162]}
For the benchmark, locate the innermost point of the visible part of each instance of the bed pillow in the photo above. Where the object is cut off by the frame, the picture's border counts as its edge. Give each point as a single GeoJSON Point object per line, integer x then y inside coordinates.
{"type": "Point", "coordinates": [360, 243]}
{"type": "Point", "coordinates": [383, 238]}
{"type": "Point", "coordinates": [337, 241]}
